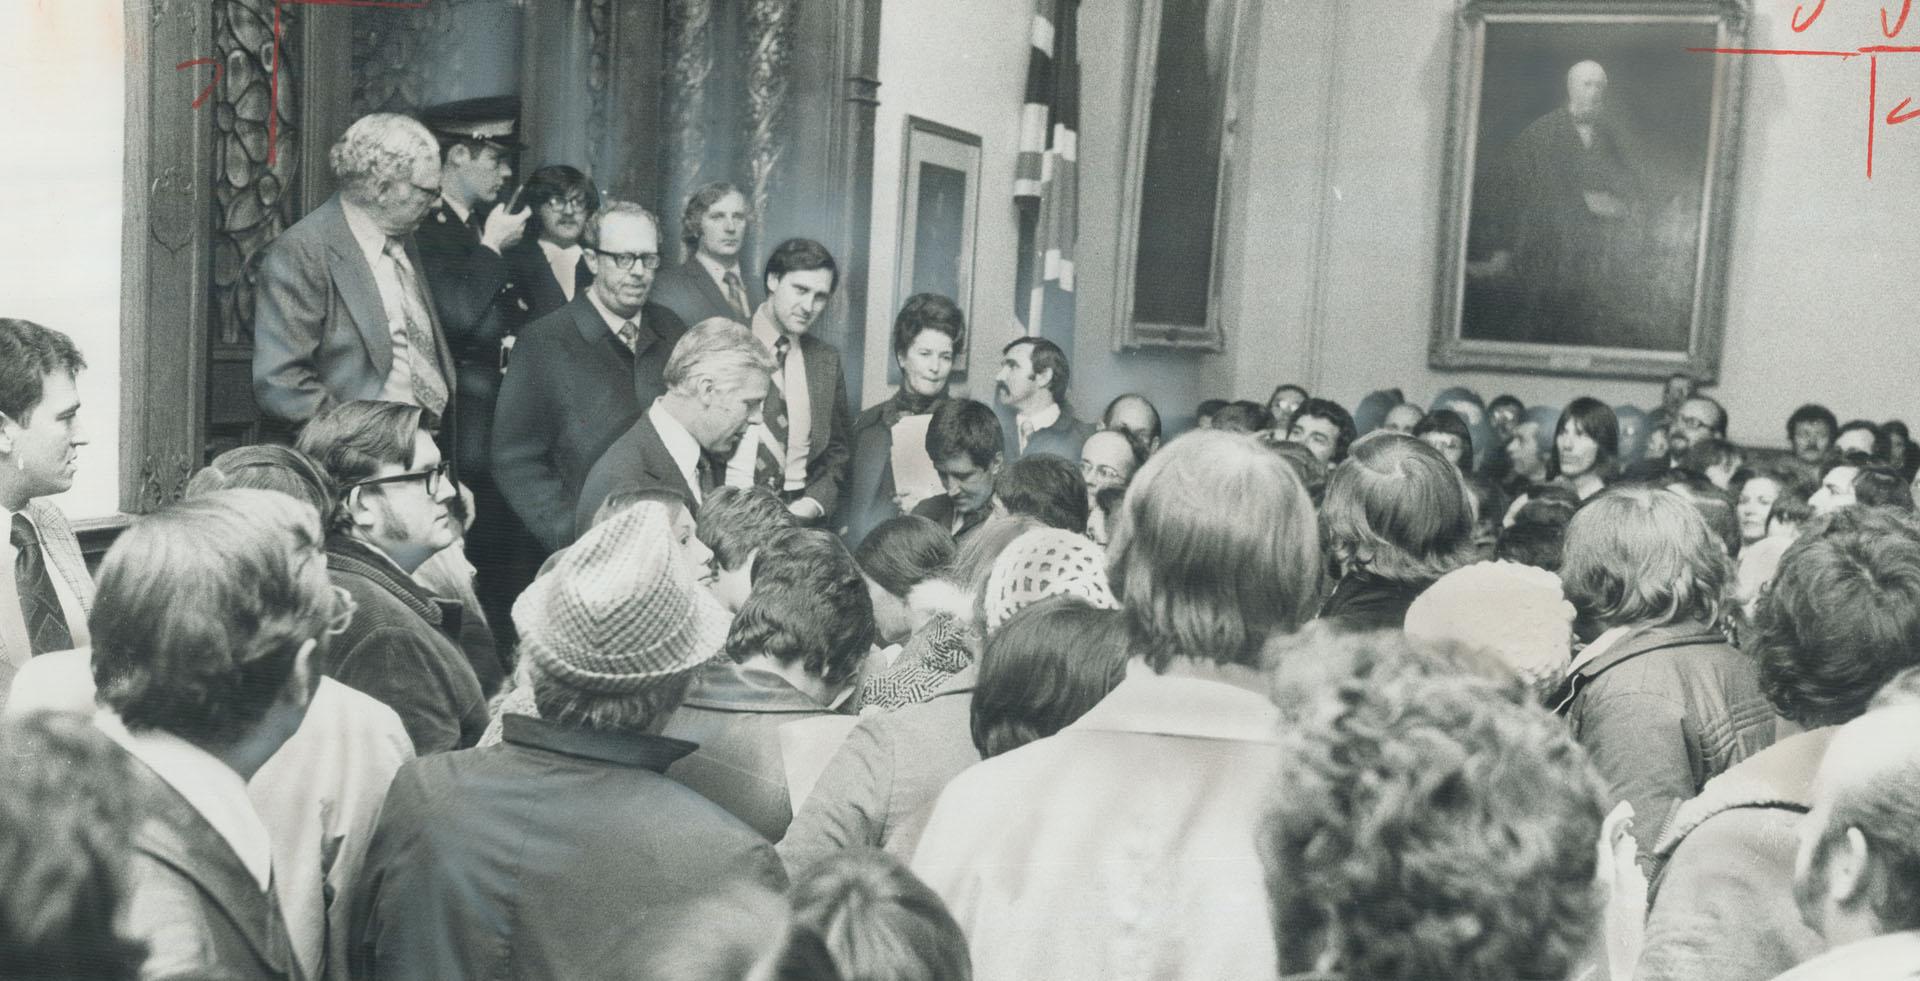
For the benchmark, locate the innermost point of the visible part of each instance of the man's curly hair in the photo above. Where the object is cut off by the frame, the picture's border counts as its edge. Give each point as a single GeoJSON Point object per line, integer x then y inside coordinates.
{"type": "Point", "coordinates": [1428, 822]}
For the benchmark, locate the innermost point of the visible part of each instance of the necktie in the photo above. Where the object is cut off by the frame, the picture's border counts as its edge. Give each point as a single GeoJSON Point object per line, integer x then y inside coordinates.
{"type": "Point", "coordinates": [707, 471]}
{"type": "Point", "coordinates": [1026, 433]}
{"type": "Point", "coordinates": [39, 604]}
{"type": "Point", "coordinates": [737, 295]}
{"type": "Point", "coordinates": [630, 335]}
{"type": "Point", "coordinates": [770, 466]}
{"type": "Point", "coordinates": [429, 387]}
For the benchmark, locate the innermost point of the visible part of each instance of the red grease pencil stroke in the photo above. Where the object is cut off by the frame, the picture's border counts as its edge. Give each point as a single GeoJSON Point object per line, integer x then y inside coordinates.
{"type": "Point", "coordinates": [273, 93]}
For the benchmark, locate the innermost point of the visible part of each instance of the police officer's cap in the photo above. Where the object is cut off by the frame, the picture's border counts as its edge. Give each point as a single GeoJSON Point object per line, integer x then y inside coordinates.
{"type": "Point", "coordinates": [491, 119]}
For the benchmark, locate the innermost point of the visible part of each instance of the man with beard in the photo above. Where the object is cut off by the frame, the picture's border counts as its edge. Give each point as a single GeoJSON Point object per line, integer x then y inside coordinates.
{"type": "Point", "coordinates": [800, 449]}
{"type": "Point", "coordinates": [717, 379]}
{"type": "Point", "coordinates": [581, 375]}
{"type": "Point", "coordinates": [1699, 419]}
{"type": "Point", "coordinates": [710, 283]}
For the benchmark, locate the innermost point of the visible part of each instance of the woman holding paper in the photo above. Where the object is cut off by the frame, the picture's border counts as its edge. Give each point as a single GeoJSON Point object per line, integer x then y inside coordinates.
{"type": "Point", "coordinates": [891, 469]}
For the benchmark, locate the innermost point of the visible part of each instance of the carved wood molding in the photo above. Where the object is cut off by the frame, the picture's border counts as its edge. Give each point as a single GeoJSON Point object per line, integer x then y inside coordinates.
{"type": "Point", "coordinates": [163, 479]}
{"type": "Point", "coordinates": [599, 72]}
{"type": "Point", "coordinates": [769, 46]}
{"type": "Point", "coordinates": [252, 205]}
{"type": "Point", "coordinates": [689, 70]}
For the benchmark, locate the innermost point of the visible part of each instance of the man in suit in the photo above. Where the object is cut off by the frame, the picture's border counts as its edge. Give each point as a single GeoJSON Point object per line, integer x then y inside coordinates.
{"type": "Point", "coordinates": [716, 378]}
{"type": "Point", "coordinates": [964, 441]}
{"type": "Point", "coordinates": [800, 451]}
{"type": "Point", "coordinates": [47, 597]}
{"type": "Point", "coordinates": [1032, 383]}
{"type": "Point", "coordinates": [710, 283]}
{"type": "Point", "coordinates": [212, 615]}
{"type": "Point", "coordinates": [344, 310]}
{"type": "Point", "coordinates": [548, 268]}
{"type": "Point", "coordinates": [581, 376]}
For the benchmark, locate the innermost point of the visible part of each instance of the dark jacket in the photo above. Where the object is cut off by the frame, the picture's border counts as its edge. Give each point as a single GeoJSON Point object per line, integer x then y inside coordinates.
{"type": "Point", "coordinates": [939, 510]}
{"type": "Point", "coordinates": [689, 290]}
{"type": "Point", "coordinates": [639, 458]}
{"type": "Point", "coordinates": [1721, 904]}
{"type": "Point", "coordinates": [1062, 439]}
{"type": "Point", "coordinates": [545, 857]}
{"type": "Point", "coordinates": [734, 715]}
{"type": "Point", "coordinates": [868, 500]}
{"type": "Point", "coordinates": [1364, 601]}
{"type": "Point", "coordinates": [1662, 711]}
{"type": "Point", "coordinates": [530, 279]}
{"type": "Point", "coordinates": [571, 389]}
{"type": "Point", "coordinates": [470, 288]}
{"type": "Point", "coordinates": [829, 451]}
{"type": "Point", "coordinates": [202, 915]}
{"type": "Point", "coordinates": [401, 649]}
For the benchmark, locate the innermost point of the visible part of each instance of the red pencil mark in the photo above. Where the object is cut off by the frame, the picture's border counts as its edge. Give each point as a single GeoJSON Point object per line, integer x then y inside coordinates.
{"type": "Point", "coordinates": [218, 70]}
{"type": "Point", "coordinates": [1873, 107]}
{"type": "Point", "coordinates": [1906, 7]}
{"type": "Point", "coordinates": [273, 80]}
{"type": "Point", "coordinates": [1896, 116]}
{"type": "Point", "coordinates": [1777, 51]}
{"type": "Point", "coordinates": [1800, 26]}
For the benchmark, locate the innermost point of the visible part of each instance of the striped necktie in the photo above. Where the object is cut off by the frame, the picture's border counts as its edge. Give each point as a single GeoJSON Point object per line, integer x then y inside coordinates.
{"type": "Point", "coordinates": [737, 295]}
{"type": "Point", "coordinates": [770, 465]}
{"type": "Point", "coordinates": [429, 386]}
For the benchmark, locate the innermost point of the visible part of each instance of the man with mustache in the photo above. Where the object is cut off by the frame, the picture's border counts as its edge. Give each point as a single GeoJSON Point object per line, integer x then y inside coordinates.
{"type": "Point", "coordinates": [581, 375]}
{"type": "Point", "coordinates": [47, 597]}
{"type": "Point", "coordinates": [800, 449]}
{"type": "Point", "coordinates": [1033, 383]}
{"type": "Point", "coordinates": [710, 283]}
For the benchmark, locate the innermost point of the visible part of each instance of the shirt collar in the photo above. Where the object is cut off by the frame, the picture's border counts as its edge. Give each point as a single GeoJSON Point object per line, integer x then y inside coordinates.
{"type": "Point", "coordinates": [1600, 645]}
{"type": "Point", "coordinates": [613, 322]}
{"type": "Point", "coordinates": [459, 211]}
{"type": "Point", "coordinates": [716, 270]}
{"type": "Point", "coordinates": [635, 749]}
{"type": "Point", "coordinates": [551, 250]}
{"type": "Point", "coordinates": [211, 787]}
{"type": "Point", "coordinates": [682, 444]}
{"type": "Point", "coordinates": [373, 241]}
{"type": "Point", "coordinates": [1177, 705]}
{"type": "Point", "coordinates": [1037, 421]}
{"type": "Point", "coordinates": [766, 328]}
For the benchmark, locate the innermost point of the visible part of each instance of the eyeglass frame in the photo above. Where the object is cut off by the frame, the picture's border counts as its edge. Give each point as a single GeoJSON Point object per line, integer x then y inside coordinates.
{"type": "Point", "coordinates": [436, 478]}
{"type": "Point", "coordinates": [625, 261]}
{"type": "Point", "coordinates": [578, 203]}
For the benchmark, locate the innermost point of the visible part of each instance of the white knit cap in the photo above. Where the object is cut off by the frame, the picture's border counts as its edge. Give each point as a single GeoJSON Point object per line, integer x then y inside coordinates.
{"type": "Point", "coordinates": [1517, 614]}
{"type": "Point", "coordinates": [1046, 562]}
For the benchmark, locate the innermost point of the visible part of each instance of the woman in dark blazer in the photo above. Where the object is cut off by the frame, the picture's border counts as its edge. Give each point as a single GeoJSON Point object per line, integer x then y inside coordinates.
{"type": "Point", "coordinates": [562, 199]}
{"type": "Point", "coordinates": [926, 335]}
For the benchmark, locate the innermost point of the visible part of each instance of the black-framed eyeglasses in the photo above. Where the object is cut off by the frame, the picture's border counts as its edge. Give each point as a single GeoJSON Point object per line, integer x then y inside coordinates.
{"type": "Point", "coordinates": [574, 203]}
{"type": "Point", "coordinates": [436, 478]}
{"type": "Point", "coordinates": [625, 260]}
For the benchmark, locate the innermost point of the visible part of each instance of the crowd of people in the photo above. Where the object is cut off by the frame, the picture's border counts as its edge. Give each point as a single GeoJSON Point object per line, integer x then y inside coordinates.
{"type": "Point", "coordinates": [578, 629]}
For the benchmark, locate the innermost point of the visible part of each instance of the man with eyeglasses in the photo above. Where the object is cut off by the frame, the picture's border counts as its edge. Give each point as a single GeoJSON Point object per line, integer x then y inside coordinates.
{"type": "Point", "coordinates": [345, 311]}
{"type": "Point", "coordinates": [582, 375]}
{"type": "Point", "coordinates": [1698, 419]}
{"type": "Point", "coordinates": [710, 283]}
{"type": "Point", "coordinates": [402, 646]}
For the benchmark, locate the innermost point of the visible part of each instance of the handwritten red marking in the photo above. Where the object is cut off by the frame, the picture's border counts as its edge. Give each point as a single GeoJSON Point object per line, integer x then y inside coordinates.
{"type": "Point", "coordinates": [1906, 7]}
{"type": "Point", "coordinates": [218, 70]}
{"type": "Point", "coordinates": [273, 81]}
{"type": "Point", "coordinates": [1891, 49]}
{"type": "Point", "coordinates": [1800, 26]}
{"type": "Point", "coordinates": [1873, 107]}
{"type": "Point", "coordinates": [1895, 117]}
{"type": "Point", "coordinates": [1775, 51]}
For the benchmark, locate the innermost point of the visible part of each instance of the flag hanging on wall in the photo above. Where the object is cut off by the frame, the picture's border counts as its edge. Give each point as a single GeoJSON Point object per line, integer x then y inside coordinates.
{"type": "Point", "coordinates": [1046, 187]}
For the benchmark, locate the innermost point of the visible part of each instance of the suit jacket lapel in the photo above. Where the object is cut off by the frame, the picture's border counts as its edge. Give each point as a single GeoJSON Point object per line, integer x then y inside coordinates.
{"type": "Point", "coordinates": [658, 462]}
{"type": "Point", "coordinates": [354, 280]}
{"type": "Point", "coordinates": [703, 281]}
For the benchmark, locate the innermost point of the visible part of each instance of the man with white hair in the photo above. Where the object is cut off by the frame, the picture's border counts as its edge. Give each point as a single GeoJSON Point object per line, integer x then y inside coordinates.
{"type": "Point", "coordinates": [344, 311]}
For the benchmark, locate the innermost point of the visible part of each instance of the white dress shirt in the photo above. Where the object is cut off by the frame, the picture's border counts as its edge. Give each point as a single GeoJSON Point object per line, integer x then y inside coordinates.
{"type": "Point", "coordinates": [681, 444]}
{"type": "Point", "coordinates": [614, 321]}
{"type": "Point", "coordinates": [1025, 426]}
{"type": "Point", "coordinates": [564, 262]}
{"type": "Point", "coordinates": [373, 244]}
{"type": "Point", "coordinates": [213, 788]}
{"type": "Point", "coordinates": [13, 623]}
{"type": "Point", "coordinates": [793, 386]}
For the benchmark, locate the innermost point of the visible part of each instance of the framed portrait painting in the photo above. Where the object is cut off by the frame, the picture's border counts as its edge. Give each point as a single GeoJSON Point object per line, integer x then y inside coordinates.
{"type": "Point", "coordinates": [939, 207]}
{"type": "Point", "coordinates": [1590, 173]}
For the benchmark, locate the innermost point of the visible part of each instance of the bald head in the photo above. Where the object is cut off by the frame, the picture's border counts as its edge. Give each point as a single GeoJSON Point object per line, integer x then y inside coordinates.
{"type": "Point", "coordinates": [1136, 415]}
{"type": "Point", "coordinates": [1858, 873]}
{"type": "Point", "coordinates": [1586, 90]}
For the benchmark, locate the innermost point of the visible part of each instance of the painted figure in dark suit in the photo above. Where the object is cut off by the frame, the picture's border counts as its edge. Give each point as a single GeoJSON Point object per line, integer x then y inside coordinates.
{"type": "Point", "coordinates": [711, 283]}
{"type": "Point", "coordinates": [1032, 384]}
{"type": "Point", "coordinates": [926, 333]}
{"type": "Point", "coordinates": [800, 450]}
{"type": "Point", "coordinates": [580, 376]}
{"type": "Point", "coordinates": [344, 309]}
{"type": "Point", "coordinates": [964, 440]}
{"type": "Point", "coordinates": [548, 266]}
{"type": "Point", "coordinates": [717, 379]}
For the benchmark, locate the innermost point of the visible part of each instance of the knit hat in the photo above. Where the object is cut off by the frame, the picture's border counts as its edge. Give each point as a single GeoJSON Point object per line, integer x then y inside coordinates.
{"type": "Point", "coordinates": [1516, 614]}
{"type": "Point", "coordinates": [1046, 562]}
{"type": "Point", "coordinates": [620, 611]}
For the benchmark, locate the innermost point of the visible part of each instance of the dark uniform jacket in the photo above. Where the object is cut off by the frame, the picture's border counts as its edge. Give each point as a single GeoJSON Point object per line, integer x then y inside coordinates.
{"type": "Point", "coordinates": [548, 856]}
{"type": "Point", "coordinates": [401, 649]}
{"type": "Point", "coordinates": [533, 290]}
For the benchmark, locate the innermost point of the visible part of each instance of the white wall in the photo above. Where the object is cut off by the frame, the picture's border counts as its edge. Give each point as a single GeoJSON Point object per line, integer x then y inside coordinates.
{"type": "Point", "coordinates": [1348, 145]}
{"type": "Point", "coordinates": [62, 70]}
{"type": "Point", "coordinates": [962, 64]}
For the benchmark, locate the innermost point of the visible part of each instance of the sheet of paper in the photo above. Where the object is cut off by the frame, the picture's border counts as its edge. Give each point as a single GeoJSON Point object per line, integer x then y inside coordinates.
{"type": "Point", "coordinates": [805, 748]}
{"type": "Point", "coordinates": [913, 475]}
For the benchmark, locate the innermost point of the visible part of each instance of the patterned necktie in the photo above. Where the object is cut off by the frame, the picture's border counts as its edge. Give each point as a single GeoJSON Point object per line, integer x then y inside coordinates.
{"type": "Point", "coordinates": [770, 465]}
{"type": "Point", "coordinates": [1026, 433]}
{"type": "Point", "coordinates": [429, 386]}
{"type": "Point", "coordinates": [708, 473]}
{"type": "Point", "coordinates": [39, 604]}
{"type": "Point", "coordinates": [630, 336]}
{"type": "Point", "coordinates": [737, 295]}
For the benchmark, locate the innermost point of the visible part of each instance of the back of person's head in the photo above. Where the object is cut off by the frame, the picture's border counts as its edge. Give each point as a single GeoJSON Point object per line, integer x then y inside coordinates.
{"type": "Point", "coordinates": [268, 466]}
{"type": "Point", "coordinates": [352, 440]}
{"type": "Point", "coordinates": [203, 609]}
{"type": "Point", "coordinates": [1046, 487]}
{"type": "Point", "coordinates": [1243, 417]}
{"type": "Point", "coordinates": [1876, 445]}
{"type": "Point", "coordinates": [1307, 467]}
{"type": "Point", "coordinates": [1335, 413]}
{"type": "Point", "coordinates": [716, 352]}
{"type": "Point", "coordinates": [1207, 503]}
{"type": "Point", "coordinates": [879, 921]}
{"type": "Point", "coordinates": [67, 817]}
{"type": "Point", "coordinates": [1537, 536]}
{"type": "Point", "coordinates": [1043, 669]}
{"type": "Point", "coordinates": [1644, 557]}
{"type": "Point", "coordinates": [1841, 617]}
{"type": "Point", "coordinates": [1204, 413]}
{"type": "Point", "coordinates": [1427, 820]}
{"type": "Point", "coordinates": [1133, 414]}
{"type": "Point", "coordinates": [735, 522]}
{"type": "Point", "coordinates": [809, 606]}
{"type": "Point", "coordinates": [974, 559]}
{"type": "Point", "coordinates": [1858, 869]}
{"type": "Point", "coordinates": [624, 499]}
{"type": "Point", "coordinates": [1446, 422]}
{"type": "Point", "coordinates": [903, 552]}
{"type": "Point", "coordinates": [1046, 356]}
{"type": "Point", "coordinates": [1513, 615]}
{"type": "Point", "coordinates": [1398, 509]}
{"type": "Point", "coordinates": [1880, 484]}
{"type": "Point", "coordinates": [964, 427]}
{"type": "Point", "coordinates": [1715, 505]}
{"type": "Point", "coordinates": [1596, 420]}
{"type": "Point", "coordinates": [740, 931]}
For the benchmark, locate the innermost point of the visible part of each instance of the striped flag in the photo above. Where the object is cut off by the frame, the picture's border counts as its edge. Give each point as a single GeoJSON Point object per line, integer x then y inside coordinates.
{"type": "Point", "coordinates": [1046, 186]}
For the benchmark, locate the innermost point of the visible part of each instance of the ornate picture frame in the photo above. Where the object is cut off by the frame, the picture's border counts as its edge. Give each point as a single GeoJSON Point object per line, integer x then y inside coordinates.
{"type": "Point", "coordinates": [1588, 190]}
{"type": "Point", "coordinates": [939, 216]}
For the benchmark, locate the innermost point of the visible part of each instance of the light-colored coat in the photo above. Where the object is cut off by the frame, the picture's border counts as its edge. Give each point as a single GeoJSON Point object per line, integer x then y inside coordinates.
{"type": "Point", "coordinates": [1120, 848]}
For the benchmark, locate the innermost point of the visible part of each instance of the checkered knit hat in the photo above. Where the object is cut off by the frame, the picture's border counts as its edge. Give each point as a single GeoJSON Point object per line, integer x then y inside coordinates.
{"type": "Point", "coordinates": [1514, 613]}
{"type": "Point", "coordinates": [619, 611]}
{"type": "Point", "coordinates": [1046, 562]}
